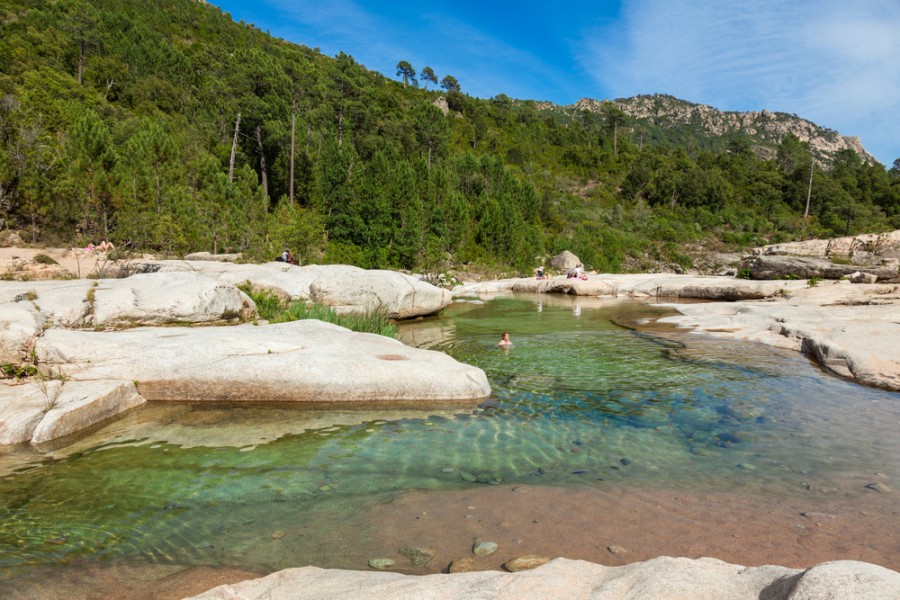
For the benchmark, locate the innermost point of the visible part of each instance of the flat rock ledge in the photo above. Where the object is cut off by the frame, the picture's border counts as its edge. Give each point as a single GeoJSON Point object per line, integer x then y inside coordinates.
{"type": "Point", "coordinates": [305, 361]}
{"type": "Point", "coordinates": [638, 286]}
{"type": "Point", "coordinates": [662, 578]}
{"type": "Point", "coordinates": [850, 329]}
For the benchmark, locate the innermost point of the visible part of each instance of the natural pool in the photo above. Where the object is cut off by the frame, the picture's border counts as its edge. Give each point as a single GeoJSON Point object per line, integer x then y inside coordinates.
{"type": "Point", "coordinates": [581, 403]}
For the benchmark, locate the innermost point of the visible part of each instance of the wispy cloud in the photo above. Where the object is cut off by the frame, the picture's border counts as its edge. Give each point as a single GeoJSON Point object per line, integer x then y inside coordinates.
{"type": "Point", "coordinates": [832, 62]}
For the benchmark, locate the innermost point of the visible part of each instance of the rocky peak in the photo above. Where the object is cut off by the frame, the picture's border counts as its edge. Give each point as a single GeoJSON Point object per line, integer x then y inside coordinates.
{"type": "Point", "coordinates": [764, 128]}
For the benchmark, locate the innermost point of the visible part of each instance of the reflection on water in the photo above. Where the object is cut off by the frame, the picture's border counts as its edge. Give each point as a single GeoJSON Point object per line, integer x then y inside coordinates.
{"type": "Point", "coordinates": [579, 400]}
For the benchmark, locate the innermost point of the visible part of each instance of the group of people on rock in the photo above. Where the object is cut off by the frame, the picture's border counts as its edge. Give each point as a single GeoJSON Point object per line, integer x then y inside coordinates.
{"type": "Point", "coordinates": [575, 272]}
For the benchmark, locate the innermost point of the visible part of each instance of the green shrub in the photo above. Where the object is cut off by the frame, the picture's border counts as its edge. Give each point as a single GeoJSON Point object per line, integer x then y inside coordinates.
{"type": "Point", "coordinates": [43, 259]}
{"type": "Point", "coordinates": [17, 371]}
{"type": "Point", "coordinates": [272, 309]}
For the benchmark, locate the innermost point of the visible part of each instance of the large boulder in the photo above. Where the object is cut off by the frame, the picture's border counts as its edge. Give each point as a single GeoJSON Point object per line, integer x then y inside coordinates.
{"type": "Point", "coordinates": [803, 267]}
{"type": "Point", "coordinates": [302, 361]}
{"type": "Point", "coordinates": [148, 299]}
{"type": "Point", "coordinates": [662, 578]}
{"type": "Point", "coordinates": [345, 288]}
{"type": "Point", "coordinates": [157, 298]}
{"type": "Point", "coordinates": [565, 260]}
{"type": "Point", "coordinates": [400, 296]}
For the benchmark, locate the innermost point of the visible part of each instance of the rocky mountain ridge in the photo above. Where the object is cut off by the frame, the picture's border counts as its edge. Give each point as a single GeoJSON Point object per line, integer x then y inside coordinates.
{"type": "Point", "coordinates": [764, 129]}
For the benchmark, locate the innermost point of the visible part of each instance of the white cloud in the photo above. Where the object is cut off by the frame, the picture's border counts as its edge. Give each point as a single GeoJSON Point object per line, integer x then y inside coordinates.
{"type": "Point", "coordinates": [835, 63]}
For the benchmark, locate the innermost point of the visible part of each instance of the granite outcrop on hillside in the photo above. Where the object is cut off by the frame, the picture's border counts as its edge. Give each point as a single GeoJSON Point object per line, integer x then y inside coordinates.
{"type": "Point", "coordinates": [766, 128]}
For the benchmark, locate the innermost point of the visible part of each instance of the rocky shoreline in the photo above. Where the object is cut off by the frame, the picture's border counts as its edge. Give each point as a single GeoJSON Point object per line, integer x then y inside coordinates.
{"type": "Point", "coordinates": [663, 578]}
{"type": "Point", "coordinates": [850, 329]}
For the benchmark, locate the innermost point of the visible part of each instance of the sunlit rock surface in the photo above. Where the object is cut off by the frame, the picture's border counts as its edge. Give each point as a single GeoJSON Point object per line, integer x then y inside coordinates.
{"type": "Point", "coordinates": [345, 288]}
{"type": "Point", "coordinates": [663, 578]}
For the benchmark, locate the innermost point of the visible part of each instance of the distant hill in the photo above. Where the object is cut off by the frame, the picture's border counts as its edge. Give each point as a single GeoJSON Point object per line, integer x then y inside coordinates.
{"type": "Point", "coordinates": [665, 119]}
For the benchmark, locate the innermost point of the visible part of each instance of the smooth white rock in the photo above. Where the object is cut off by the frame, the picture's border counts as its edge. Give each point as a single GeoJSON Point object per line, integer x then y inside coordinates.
{"type": "Point", "coordinates": [42, 411]}
{"type": "Point", "coordinates": [302, 361]}
{"type": "Point", "coordinates": [343, 287]}
{"type": "Point", "coordinates": [22, 406]}
{"type": "Point", "coordinates": [156, 298]}
{"type": "Point", "coordinates": [20, 323]}
{"type": "Point", "coordinates": [662, 578]}
{"type": "Point", "coordinates": [144, 299]}
{"type": "Point", "coordinates": [83, 404]}
{"type": "Point", "coordinates": [639, 285]}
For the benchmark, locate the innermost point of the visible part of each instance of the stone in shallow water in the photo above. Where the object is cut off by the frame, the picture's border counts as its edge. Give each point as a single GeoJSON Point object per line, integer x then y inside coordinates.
{"type": "Point", "coordinates": [465, 476]}
{"type": "Point", "coordinates": [879, 487]}
{"type": "Point", "coordinates": [419, 556]}
{"type": "Point", "coordinates": [484, 548]}
{"type": "Point", "coordinates": [381, 563]}
{"type": "Point", "coordinates": [524, 563]}
{"type": "Point", "coordinates": [461, 565]}
{"type": "Point", "coordinates": [617, 550]}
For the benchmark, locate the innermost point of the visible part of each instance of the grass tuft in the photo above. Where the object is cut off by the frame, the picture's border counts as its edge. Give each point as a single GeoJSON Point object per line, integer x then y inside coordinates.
{"type": "Point", "coordinates": [274, 310]}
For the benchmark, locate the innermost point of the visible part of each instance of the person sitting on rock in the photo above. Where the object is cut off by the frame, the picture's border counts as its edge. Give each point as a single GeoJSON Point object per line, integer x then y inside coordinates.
{"type": "Point", "coordinates": [539, 272]}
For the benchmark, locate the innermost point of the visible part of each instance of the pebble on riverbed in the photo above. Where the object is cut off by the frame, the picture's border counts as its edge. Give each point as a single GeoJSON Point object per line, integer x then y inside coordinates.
{"type": "Point", "coordinates": [381, 563]}
{"type": "Point", "coordinates": [462, 565]}
{"type": "Point", "coordinates": [484, 548]}
{"type": "Point", "coordinates": [879, 487]}
{"type": "Point", "coordinates": [419, 556]}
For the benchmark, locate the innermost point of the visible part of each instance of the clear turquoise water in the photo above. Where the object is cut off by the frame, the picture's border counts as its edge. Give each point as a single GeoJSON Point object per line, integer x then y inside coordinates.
{"type": "Point", "coordinates": [578, 401]}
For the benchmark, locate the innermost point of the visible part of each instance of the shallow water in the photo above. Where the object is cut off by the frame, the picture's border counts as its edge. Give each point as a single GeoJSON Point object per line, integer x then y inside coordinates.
{"type": "Point", "coordinates": [580, 400]}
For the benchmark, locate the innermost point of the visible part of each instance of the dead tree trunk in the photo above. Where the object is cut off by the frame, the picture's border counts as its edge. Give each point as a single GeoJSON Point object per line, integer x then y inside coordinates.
{"type": "Point", "coordinates": [264, 175]}
{"type": "Point", "coordinates": [812, 166]}
{"type": "Point", "coordinates": [293, 128]}
{"type": "Point", "coordinates": [237, 129]}
{"type": "Point", "coordinates": [80, 62]}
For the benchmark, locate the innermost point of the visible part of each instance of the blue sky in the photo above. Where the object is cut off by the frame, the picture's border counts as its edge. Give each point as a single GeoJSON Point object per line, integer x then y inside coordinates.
{"type": "Point", "coordinates": [834, 62]}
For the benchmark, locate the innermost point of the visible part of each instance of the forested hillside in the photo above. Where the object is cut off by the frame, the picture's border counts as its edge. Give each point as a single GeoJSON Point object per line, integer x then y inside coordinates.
{"type": "Point", "coordinates": [165, 126]}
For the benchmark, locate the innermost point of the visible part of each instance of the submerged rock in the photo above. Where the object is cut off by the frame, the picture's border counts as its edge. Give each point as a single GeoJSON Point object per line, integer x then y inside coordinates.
{"type": "Point", "coordinates": [419, 556]}
{"type": "Point", "coordinates": [462, 565]}
{"type": "Point", "coordinates": [382, 563]}
{"type": "Point", "coordinates": [525, 563]}
{"type": "Point", "coordinates": [484, 548]}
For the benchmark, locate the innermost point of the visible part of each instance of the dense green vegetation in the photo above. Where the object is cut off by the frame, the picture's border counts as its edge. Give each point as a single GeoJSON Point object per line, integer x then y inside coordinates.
{"type": "Point", "coordinates": [275, 310]}
{"type": "Point", "coordinates": [168, 127]}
